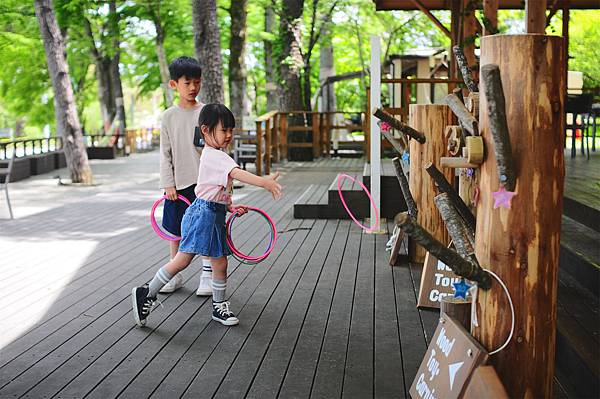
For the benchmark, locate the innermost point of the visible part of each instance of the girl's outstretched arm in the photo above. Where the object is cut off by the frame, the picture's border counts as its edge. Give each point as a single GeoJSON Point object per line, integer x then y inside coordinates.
{"type": "Point", "coordinates": [268, 182]}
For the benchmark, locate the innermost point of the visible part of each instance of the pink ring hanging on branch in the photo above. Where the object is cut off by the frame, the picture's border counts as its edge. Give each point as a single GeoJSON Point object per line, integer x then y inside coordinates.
{"type": "Point", "coordinates": [157, 229]}
{"type": "Point", "coordinates": [340, 178]}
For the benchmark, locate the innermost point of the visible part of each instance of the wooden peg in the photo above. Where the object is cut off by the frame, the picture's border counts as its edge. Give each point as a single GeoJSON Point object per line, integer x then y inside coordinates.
{"type": "Point", "coordinates": [457, 162]}
{"type": "Point", "coordinates": [474, 147]}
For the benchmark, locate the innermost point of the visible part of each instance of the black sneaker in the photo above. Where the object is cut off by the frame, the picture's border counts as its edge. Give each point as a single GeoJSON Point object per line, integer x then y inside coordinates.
{"type": "Point", "coordinates": [223, 315]}
{"type": "Point", "coordinates": [142, 304]}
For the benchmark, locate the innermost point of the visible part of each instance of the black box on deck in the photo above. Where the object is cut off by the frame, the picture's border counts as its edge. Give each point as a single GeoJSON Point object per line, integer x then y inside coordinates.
{"type": "Point", "coordinates": [42, 163]}
{"type": "Point", "coordinates": [21, 169]}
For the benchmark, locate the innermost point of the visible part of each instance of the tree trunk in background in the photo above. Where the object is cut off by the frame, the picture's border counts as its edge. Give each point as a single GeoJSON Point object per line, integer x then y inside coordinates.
{"type": "Point", "coordinates": [163, 64]}
{"type": "Point", "coordinates": [237, 63]}
{"type": "Point", "coordinates": [114, 67]}
{"type": "Point", "coordinates": [306, 86]}
{"type": "Point", "coordinates": [291, 58]}
{"type": "Point", "coordinates": [327, 69]}
{"type": "Point", "coordinates": [207, 41]}
{"type": "Point", "coordinates": [271, 85]}
{"type": "Point", "coordinates": [67, 122]}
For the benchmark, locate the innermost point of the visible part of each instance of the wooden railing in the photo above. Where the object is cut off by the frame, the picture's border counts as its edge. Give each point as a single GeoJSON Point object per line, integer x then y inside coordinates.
{"type": "Point", "coordinates": [24, 147]}
{"type": "Point", "coordinates": [273, 130]}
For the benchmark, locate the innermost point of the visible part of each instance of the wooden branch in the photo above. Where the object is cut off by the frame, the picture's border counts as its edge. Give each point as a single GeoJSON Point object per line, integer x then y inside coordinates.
{"type": "Point", "coordinates": [408, 198]}
{"type": "Point", "coordinates": [396, 124]}
{"type": "Point", "coordinates": [465, 70]}
{"type": "Point", "coordinates": [458, 203]}
{"type": "Point", "coordinates": [466, 119]}
{"type": "Point", "coordinates": [458, 265]}
{"type": "Point", "coordinates": [400, 145]}
{"type": "Point", "coordinates": [458, 230]}
{"type": "Point", "coordinates": [494, 95]}
{"type": "Point", "coordinates": [432, 17]}
{"type": "Point", "coordinates": [458, 92]}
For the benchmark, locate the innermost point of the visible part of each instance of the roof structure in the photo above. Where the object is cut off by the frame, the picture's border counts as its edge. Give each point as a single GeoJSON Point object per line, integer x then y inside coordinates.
{"type": "Point", "coordinates": [445, 4]}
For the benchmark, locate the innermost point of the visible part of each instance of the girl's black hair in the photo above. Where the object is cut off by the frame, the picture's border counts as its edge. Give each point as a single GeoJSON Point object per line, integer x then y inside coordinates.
{"type": "Point", "coordinates": [212, 114]}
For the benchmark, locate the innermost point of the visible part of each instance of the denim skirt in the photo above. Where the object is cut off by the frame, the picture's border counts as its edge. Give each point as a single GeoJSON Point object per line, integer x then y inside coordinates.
{"type": "Point", "coordinates": [203, 229]}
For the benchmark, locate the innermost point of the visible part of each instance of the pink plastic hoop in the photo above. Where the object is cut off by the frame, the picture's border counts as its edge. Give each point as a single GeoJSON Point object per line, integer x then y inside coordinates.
{"type": "Point", "coordinates": [343, 176]}
{"type": "Point", "coordinates": [157, 229]}
{"type": "Point", "coordinates": [242, 256]}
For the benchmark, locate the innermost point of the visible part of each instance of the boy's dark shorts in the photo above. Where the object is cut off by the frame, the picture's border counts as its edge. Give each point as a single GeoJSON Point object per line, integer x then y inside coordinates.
{"type": "Point", "coordinates": [173, 211]}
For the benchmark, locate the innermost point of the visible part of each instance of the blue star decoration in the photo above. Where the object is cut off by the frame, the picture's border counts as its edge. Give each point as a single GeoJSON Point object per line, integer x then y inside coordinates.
{"type": "Point", "coordinates": [405, 156]}
{"type": "Point", "coordinates": [461, 288]}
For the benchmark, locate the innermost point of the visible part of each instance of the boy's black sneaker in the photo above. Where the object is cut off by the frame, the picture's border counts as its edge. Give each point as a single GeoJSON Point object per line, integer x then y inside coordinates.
{"type": "Point", "coordinates": [223, 315]}
{"type": "Point", "coordinates": [142, 304]}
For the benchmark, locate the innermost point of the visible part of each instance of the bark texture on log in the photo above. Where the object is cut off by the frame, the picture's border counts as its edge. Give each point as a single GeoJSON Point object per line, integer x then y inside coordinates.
{"type": "Point", "coordinates": [464, 69]}
{"type": "Point", "coordinates": [67, 121]}
{"type": "Point", "coordinates": [432, 120]}
{"type": "Point", "coordinates": [398, 125]}
{"type": "Point", "coordinates": [466, 119]}
{"type": "Point", "coordinates": [444, 186]}
{"type": "Point", "coordinates": [522, 244]}
{"type": "Point", "coordinates": [463, 240]}
{"type": "Point", "coordinates": [403, 181]}
{"type": "Point", "coordinates": [460, 266]}
{"type": "Point", "coordinates": [496, 111]}
{"type": "Point", "coordinates": [207, 42]}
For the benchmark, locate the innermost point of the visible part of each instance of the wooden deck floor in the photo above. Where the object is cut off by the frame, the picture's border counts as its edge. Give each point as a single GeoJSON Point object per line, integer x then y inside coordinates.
{"type": "Point", "coordinates": [324, 316]}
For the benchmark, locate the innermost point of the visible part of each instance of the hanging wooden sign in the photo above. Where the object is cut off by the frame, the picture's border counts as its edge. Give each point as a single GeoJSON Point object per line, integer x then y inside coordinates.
{"type": "Point", "coordinates": [436, 282]}
{"type": "Point", "coordinates": [396, 248]}
{"type": "Point", "coordinates": [448, 362]}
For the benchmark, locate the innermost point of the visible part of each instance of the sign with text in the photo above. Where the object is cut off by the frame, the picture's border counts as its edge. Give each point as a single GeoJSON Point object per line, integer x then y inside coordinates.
{"type": "Point", "coordinates": [448, 363]}
{"type": "Point", "coordinates": [436, 282]}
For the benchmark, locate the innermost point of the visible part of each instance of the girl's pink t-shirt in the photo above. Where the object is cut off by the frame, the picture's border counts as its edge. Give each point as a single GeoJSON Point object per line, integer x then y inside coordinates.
{"type": "Point", "coordinates": [214, 183]}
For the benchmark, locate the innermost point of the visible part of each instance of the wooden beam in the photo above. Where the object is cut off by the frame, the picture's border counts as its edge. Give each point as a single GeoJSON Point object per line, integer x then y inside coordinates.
{"type": "Point", "coordinates": [535, 16]}
{"type": "Point", "coordinates": [490, 13]}
{"type": "Point", "coordinates": [432, 17]}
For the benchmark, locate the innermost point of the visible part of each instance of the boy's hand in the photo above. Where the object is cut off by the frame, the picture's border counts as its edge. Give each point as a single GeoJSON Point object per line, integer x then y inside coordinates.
{"type": "Point", "coordinates": [171, 193]}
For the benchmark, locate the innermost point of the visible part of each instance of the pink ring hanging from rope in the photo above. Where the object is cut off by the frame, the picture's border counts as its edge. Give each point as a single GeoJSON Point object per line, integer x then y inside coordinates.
{"type": "Point", "coordinates": [343, 176]}
{"type": "Point", "coordinates": [157, 229]}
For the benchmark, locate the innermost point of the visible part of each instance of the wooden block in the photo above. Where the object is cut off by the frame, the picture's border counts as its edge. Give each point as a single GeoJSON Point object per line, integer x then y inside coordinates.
{"type": "Point", "coordinates": [474, 146]}
{"type": "Point", "coordinates": [457, 162]}
{"type": "Point", "coordinates": [485, 384]}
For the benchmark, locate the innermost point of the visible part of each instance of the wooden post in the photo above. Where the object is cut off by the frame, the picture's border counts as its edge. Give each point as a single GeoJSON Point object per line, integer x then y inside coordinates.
{"type": "Point", "coordinates": [431, 120]}
{"type": "Point", "coordinates": [275, 138]}
{"type": "Point", "coordinates": [283, 124]}
{"type": "Point", "coordinates": [367, 129]}
{"type": "Point", "coordinates": [268, 146]}
{"type": "Point", "coordinates": [490, 13]}
{"type": "Point", "coordinates": [316, 137]}
{"type": "Point", "coordinates": [521, 244]}
{"type": "Point", "coordinates": [535, 16]}
{"type": "Point", "coordinates": [259, 141]}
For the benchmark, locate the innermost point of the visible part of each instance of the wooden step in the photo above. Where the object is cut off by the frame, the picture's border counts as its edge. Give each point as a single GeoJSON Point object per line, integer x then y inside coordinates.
{"type": "Point", "coordinates": [586, 213]}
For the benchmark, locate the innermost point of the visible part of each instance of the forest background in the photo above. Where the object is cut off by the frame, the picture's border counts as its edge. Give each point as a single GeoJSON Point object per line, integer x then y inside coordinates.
{"type": "Point", "coordinates": [257, 55]}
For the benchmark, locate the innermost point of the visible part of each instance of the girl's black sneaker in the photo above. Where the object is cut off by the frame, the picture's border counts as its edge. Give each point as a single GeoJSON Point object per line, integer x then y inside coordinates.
{"type": "Point", "coordinates": [223, 315]}
{"type": "Point", "coordinates": [142, 304]}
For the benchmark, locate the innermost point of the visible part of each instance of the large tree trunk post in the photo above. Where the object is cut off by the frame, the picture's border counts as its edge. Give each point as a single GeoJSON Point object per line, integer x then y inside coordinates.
{"type": "Point", "coordinates": [271, 87]}
{"type": "Point", "coordinates": [431, 120]}
{"type": "Point", "coordinates": [522, 244]}
{"type": "Point", "coordinates": [67, 122]}
{"type": "Point", "coordinates": [237, 63]}
{"type": "Point", "coordinates": [207, 42]}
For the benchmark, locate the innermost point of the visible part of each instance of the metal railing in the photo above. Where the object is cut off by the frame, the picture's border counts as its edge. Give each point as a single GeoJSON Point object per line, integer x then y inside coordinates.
{"type": "Point", "coordinates": [26, 147]}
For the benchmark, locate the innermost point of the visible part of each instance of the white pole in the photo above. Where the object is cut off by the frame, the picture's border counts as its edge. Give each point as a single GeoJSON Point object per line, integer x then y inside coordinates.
{"type": "Point", "coordinates": [375, 133]}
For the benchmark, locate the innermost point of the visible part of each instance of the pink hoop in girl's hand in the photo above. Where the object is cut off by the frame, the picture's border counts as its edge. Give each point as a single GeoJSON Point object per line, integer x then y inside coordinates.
{"type": "Point", "coordinates": [157, 229]}
{"type": "Point", "coordinates": [343, 176]}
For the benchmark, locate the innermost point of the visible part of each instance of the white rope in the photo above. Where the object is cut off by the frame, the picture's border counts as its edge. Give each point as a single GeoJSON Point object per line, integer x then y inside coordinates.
{"type": "Point", "coordinates": [512, 311]}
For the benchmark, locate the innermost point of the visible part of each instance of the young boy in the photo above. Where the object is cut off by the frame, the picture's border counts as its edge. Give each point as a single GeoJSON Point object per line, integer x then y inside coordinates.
{"type": "Point", "coordinates": [180, 159]}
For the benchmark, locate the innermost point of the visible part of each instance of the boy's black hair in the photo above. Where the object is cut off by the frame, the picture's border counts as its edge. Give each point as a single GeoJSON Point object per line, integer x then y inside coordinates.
{"type": "Point", "coordinates": [212, 114]}
{"type": "Point", "coordinates": [185, 66]}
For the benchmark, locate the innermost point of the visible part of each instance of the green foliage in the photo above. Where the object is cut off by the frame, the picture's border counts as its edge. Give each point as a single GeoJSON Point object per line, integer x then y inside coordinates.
{"type": "Point", "coordinates": [584, 42]}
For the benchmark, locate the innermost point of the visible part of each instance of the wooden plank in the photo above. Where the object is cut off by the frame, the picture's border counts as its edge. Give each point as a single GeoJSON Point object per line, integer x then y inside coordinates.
{"type": "Point", "coordinates": [243, 369]}
{"type": "Point", "coordinates": [273, 366]}
{"type": "Point", "coordinates": [535, 16]}
{"type": "Point", "coordinates": [301, 370]}
{"type": "Point", "coordinates": [359, 368]}
{"type": "Point", "coordinates": [389, 375]}
{"type": "Point", "coordinates": [329, 376]}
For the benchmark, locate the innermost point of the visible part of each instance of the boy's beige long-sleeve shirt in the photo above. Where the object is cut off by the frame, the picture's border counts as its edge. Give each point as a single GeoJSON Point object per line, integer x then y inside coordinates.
{"type": "Point", "coordinates": [179, 158]}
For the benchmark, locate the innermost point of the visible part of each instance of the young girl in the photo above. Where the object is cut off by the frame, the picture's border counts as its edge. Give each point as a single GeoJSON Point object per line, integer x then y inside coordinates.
{"type": "Point", "coordinates": [203, 225]}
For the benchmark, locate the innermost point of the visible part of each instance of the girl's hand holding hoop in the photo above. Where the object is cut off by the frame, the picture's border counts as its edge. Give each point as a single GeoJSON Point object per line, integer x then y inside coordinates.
{"type": "Point", "coordinates": [239, 209]}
